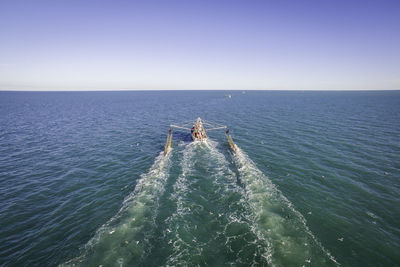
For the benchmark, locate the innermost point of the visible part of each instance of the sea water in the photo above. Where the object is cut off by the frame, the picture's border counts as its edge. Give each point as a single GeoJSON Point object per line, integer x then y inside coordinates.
{"type": "Point", "coordinates": [315, 180]}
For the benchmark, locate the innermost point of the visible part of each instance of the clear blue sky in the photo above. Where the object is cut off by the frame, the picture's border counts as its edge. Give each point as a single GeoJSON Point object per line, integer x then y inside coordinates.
{"type": "Point", "coordinates": [193, 44]}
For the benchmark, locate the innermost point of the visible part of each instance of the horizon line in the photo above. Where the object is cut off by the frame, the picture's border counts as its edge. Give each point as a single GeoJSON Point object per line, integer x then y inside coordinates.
{"type": "Point", "coordinates": [156, 90]}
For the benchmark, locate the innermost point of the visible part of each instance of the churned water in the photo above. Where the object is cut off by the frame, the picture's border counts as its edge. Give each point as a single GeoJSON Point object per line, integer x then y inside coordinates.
{"type": "Point", "coordinates": [315, 181]}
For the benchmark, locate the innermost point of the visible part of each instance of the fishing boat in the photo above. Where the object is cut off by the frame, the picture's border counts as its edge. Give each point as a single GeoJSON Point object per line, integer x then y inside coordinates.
{"type": "Point", "coordinates": [198, 129]}
{"type": "Point", "coordinates": [198, 132]}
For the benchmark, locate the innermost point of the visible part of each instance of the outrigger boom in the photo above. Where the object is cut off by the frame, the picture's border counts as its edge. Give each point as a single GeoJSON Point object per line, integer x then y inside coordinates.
{"type": "Point", "coordinates": [198, 132]}
{"type": "Point", "coordinates": [169, 142]}
{"type": "Point", "coordinates": [232, 145]}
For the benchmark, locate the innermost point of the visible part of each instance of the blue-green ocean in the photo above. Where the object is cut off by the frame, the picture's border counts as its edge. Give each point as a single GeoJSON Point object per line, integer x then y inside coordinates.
{"type": "Point", "coordinates": [315, 180]}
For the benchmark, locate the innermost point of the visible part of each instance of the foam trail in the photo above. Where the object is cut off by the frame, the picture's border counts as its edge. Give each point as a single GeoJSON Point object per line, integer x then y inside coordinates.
{"type": "Point", "coordinates": [210, 218]}
{"type": "Point", "coordinates": [123, 240]}
{"type": "Point", "coordinates": [241, 216]}
{"type": "Point", "coordinates": [177, 232]}
{"type": "Point", "coordinates": [291, 240]}
{"type": "Point", "coordinates": [198, 212]}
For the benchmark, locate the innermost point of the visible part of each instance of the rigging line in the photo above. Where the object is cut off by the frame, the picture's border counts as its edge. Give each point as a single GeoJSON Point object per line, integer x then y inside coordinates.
{"type": "Point", "coordinates": [213, 124]}
{"type": "Point", "coordinates": [188, 122]}
{"type": "Point", "coordinates": [179, 127]}
{"type": "Point", "coordinates": [217, 128]}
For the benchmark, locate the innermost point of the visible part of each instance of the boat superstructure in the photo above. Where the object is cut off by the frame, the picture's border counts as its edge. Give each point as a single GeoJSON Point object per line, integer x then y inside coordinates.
{"type": "Point", "coordinates": [198, 132]}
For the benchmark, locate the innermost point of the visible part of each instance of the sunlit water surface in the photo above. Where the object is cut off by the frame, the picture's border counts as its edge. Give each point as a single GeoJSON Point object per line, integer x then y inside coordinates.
{"type": "Point", "coordinates": [315, 181]}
